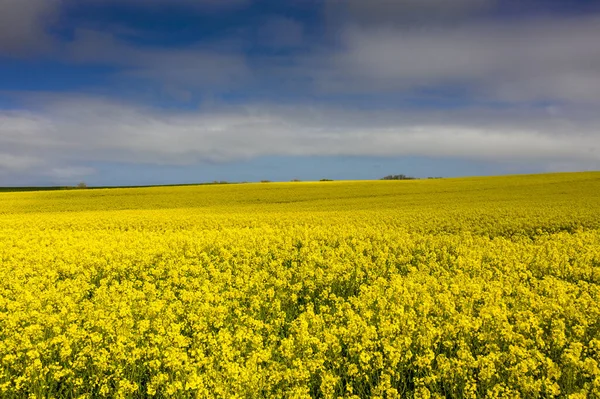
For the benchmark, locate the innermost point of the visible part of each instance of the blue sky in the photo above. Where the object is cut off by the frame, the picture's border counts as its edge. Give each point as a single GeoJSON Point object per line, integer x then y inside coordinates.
{"type": "Point", "coordinates": [181, 91]}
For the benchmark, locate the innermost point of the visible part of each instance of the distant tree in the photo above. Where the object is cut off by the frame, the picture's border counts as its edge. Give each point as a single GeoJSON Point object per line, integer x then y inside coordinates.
{"type": "Point", "coordinates": [295, 180]}
{"type": "Point", "coordinates": [265, 181]}
{"type": "Point", "coordinates": [397, 177]}
{"type": "Point", "coordinates": [81, 185]}
{"type": "Point", "coordinates": [325, 180]}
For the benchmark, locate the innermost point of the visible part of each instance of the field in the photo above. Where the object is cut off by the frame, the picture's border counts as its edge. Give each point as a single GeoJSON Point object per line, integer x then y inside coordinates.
{"type": "Point", "coordinates": [452, 288]}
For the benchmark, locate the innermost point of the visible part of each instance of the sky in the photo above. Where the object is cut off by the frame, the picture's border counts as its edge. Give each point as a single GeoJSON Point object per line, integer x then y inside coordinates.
{"type": "Point", "coordinates": [138, 92]}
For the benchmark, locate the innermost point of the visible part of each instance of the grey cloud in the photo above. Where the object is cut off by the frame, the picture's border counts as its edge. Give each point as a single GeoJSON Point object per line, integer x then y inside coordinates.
{"type": "Point", "coordinates": [10, 162]}
{"type": "Point", "coordinates": [177, 68]}
{"type": "Point", "coordinates": [215, 5]}
{"type": "Point", "coordinates": [402, 12]}
{"type": "Point", "coordinates": [23, 25]}
{"type": "Point", "coordinates": [68, 173]}
{"type": "Point", "coordinates": [281, 32]}
{"type": "Point", "coordinates": [77, 130]}
{"type": "Point", "coordinates": [529, 59]}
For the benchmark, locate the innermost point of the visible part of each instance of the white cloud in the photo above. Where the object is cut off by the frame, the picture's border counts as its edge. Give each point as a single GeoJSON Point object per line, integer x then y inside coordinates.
{"type": "Point", "coordinates": [78, 130]}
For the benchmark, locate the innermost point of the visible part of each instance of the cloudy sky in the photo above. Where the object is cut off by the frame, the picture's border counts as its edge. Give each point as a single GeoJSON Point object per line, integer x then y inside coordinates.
{"type": "Point", "coordinates": [122, 92]}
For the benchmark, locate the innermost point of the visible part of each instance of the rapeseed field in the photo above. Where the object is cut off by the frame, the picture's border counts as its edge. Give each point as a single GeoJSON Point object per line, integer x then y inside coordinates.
{"type": "Point", "coordinates": [453, 288]}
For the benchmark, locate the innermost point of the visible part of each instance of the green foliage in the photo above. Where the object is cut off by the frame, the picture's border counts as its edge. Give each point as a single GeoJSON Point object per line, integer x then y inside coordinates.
{"type": "Point", "coordinates": [397, 177]}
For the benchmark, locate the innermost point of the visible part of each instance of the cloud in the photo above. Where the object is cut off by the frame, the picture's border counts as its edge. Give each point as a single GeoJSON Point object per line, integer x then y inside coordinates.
{"type": "Point", "coordinates": [190, 66]}
{"type": "Point", "coordinates": [73, 131]}
{"type": "Point", "coordinates": [374, 50]}
{"type": "Point", "coordinates": [69, 173]}
{"type": "Point", "coordinates": [377, 51]}
{"type": "Point", "coordinates": [215, 5]}
{"type": "Point", "coordinates": [281, 32]}
{"type": "Point", "coordinates": [23, 25]}
{"type": "Point", "coordinates": [554, 59]}
{"type": "Point", "coordinates": [402, 12]}
{"type": "Point", "coordinates": [9, 162]}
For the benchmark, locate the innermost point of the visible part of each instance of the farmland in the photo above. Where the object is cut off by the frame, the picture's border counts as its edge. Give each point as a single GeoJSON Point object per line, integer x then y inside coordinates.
{"type": "Point", "coordinates": [458, 288]}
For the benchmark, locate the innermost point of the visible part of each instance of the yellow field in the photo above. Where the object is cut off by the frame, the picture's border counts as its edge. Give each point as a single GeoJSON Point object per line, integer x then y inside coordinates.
{"type": "Point", "coordinates": [476, 287]}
